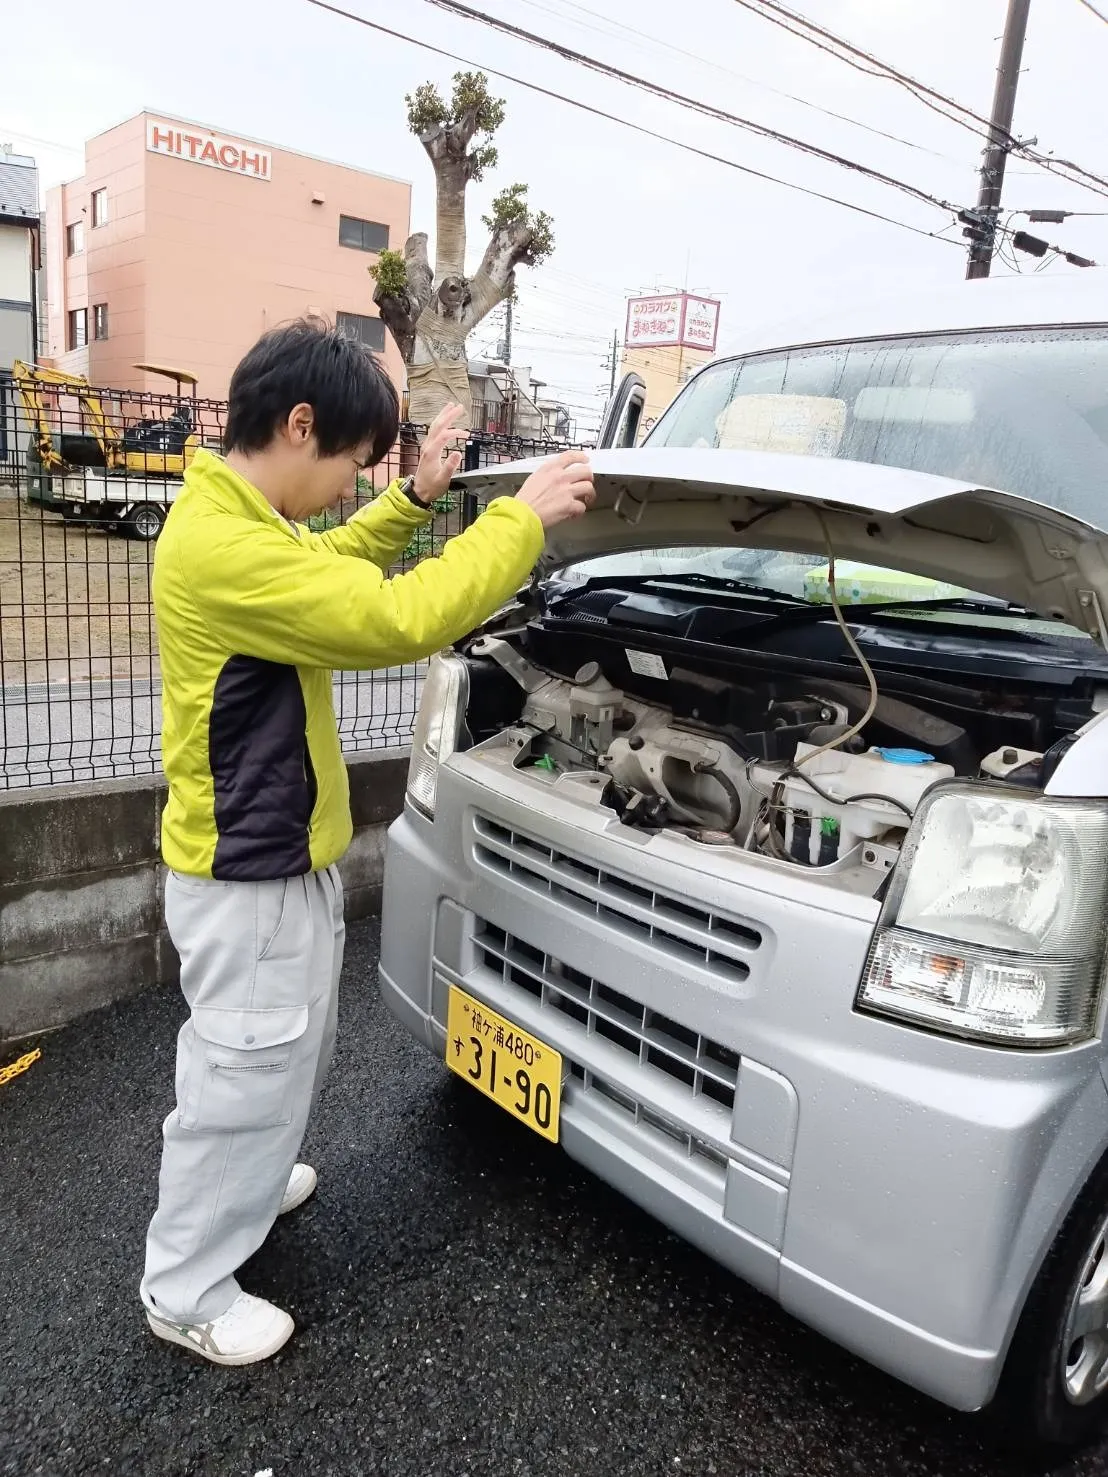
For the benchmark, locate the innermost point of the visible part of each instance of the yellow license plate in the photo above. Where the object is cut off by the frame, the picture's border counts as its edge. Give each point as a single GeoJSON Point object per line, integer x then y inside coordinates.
{"type": "Point", "coordinates": [520, 1073]}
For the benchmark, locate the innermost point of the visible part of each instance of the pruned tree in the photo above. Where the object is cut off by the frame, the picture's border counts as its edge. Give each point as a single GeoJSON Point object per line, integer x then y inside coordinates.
{"type": "Point", "coordinates": [429, 313]}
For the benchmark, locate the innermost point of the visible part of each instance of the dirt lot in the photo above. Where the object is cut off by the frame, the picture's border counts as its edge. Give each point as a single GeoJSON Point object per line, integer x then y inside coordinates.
{"type": "Point", "coordinates": [74, 601]}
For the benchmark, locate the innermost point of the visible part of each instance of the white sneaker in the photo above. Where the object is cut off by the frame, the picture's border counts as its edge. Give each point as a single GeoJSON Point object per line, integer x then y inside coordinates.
{"type": "Point", "coordinates": [302, 1183]}
{"type": "Point", "coordinates": [250, 1330]}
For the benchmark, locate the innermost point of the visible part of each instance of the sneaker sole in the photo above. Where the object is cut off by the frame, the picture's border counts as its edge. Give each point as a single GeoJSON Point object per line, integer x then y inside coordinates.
{"type": "Point", "coordinates": [172, 1335]}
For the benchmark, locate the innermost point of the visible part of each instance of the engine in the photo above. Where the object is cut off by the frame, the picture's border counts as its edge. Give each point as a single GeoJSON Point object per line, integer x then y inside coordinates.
{"type": "Point", "coordinates": [798, 781]}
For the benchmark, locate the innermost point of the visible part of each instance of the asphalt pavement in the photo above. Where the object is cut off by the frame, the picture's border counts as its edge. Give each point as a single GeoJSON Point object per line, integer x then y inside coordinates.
{"type": "Point", "coordinates": [467, 1301]}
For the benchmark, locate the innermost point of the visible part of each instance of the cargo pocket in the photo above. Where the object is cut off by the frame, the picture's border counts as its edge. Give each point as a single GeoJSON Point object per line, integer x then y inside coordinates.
{"type": "Point", "coordinates": [242, 1075]}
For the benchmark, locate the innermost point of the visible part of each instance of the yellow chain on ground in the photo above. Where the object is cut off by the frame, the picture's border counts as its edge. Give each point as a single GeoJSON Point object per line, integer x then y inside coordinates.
{"type": "Point", "coordinates": [18, 1066]}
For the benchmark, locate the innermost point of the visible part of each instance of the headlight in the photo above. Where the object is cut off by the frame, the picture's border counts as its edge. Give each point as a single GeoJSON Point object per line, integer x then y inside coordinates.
{"type": "Point", "coordinates": [994, 928]}
{"type": "Point", "coordinates": [438, 727]}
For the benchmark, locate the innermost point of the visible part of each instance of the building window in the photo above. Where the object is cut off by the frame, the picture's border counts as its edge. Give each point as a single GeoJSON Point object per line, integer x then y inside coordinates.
{"type": "Point", "coordinates": [100, 321]}
{"type": "Point", "coordinates": [99, 208]}
{"type": "Point", "coordinates": [75, 238]}
{"type": "Point", "coordinates": [370, 331]}
{"type": "Point", "coordinates": [76, 329]}
{"type": "Point", "coordinates": [362, 235]}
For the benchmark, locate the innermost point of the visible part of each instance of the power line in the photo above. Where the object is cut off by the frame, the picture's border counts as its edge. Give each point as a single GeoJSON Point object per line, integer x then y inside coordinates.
{"type": "Point", "coordinates": [999, 136]}
{"type": "Point", "coordinates": [1098, 13]}
{"type": "Point", "coordinates": [762, 130]}
{"type": "Point", "coordinates": [46, 143]}
{"type": "Point", "coordinates": [861, 60]}
{"type": "Point", "coordinates": [624, 122]}
{"type": "Point", "coordinates": [621, 31]}
{"type": "Point", "coordinates": [872, 66]}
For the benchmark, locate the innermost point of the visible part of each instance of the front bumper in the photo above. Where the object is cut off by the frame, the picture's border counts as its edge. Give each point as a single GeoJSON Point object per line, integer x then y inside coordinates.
{"type": "Point", "coordinates": [893, 1189]}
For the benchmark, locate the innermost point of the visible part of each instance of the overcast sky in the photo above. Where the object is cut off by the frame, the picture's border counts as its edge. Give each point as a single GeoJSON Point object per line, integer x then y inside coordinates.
{"type": "Point", "coordinates": [631, 214]}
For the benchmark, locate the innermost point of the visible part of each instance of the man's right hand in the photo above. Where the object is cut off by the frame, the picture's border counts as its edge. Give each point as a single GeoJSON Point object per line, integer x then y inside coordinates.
{"type": "Point", "coordinates": [561, 489]}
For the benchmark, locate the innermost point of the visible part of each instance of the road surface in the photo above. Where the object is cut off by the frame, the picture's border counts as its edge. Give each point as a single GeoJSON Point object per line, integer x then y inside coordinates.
{"type": "Point", "coordinates": [467, 1300]}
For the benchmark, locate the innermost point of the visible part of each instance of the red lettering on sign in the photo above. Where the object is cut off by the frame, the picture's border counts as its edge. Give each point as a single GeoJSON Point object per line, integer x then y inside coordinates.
{"type": "Point", "coordinates": [208, 154]}
{"type": "Point", "coordinates": [229, 156]}
{"type": "Point", "coordinates": [254, 162]}
{"type": "Point", "coordinates": [162, 138]}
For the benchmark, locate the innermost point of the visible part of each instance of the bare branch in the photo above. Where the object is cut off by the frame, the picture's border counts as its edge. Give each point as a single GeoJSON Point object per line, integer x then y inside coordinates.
{"type": "Point", "coordinates": [494, 280]}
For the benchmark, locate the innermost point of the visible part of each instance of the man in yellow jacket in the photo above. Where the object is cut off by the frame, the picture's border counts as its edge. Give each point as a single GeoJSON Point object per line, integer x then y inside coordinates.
{"type": "Point", "coordinates": [254, 612]}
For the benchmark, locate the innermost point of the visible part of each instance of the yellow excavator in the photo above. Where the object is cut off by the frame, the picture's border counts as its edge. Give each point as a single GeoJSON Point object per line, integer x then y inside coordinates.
{"type": "Point", "coordinates": [96, 472]}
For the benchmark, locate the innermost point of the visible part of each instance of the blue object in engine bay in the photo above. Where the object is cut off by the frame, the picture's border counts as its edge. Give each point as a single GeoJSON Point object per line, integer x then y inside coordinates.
{"type": "Point", "coordinates": [905, 756]}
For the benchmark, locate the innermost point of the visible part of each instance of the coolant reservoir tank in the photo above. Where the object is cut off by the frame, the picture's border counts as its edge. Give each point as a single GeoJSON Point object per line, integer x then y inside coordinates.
{"type": "Point", "coordinates": [866, 794]}
{"type": "Point", "coordinates": [904, 775]}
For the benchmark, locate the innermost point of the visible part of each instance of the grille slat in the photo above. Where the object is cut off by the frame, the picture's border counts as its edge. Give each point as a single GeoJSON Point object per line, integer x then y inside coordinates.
{"type": "Point", "coordinates": [705, 1068]}
{"type": "Point", "coordinates": [673, 926]}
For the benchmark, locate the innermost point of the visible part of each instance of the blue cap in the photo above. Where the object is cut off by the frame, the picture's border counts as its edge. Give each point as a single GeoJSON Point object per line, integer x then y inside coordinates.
{"type": "Point", "coordinates": [905, 756]}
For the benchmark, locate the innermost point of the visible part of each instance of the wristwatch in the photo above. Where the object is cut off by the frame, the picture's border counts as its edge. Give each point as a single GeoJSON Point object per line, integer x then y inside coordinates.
{"type": "Point", "coordinates": [407, 487]}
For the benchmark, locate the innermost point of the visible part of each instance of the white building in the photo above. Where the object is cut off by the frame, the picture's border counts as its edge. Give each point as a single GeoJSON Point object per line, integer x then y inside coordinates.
{"type": "Point", "coordinates": [20, 264]}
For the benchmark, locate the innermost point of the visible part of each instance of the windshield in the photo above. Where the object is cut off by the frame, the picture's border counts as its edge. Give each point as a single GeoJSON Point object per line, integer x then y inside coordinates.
{"type": "Point", "coordinates": [806, 577]}
{"type": "Point", "coordinates": [1023, 410]}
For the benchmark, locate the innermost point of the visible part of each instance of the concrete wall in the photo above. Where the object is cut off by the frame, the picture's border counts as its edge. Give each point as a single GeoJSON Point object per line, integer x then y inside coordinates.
{"type": "Point", "coordinates": [81, 890]}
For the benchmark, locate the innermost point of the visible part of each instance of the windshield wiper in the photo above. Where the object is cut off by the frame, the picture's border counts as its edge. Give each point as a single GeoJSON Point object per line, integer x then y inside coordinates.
{"type": "Point", "coordinates": [971, 604]}
{"type": "Point", "coordinates": [714, 582]}
{"type": "Point", "coordinates": [813, 613]}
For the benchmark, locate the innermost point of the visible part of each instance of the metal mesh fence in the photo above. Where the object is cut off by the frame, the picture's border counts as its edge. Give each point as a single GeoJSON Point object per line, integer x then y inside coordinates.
{"type": "Point", "coordinates": [86, 478]}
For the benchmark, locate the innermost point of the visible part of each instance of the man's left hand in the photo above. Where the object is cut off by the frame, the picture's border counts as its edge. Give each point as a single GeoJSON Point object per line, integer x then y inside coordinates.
{"type": "Point", "coordinates": [434, 473]}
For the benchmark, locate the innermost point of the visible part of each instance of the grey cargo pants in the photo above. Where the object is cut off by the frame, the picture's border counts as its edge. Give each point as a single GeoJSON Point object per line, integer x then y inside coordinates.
{"type": "Point", "coordinates": [260, 965]}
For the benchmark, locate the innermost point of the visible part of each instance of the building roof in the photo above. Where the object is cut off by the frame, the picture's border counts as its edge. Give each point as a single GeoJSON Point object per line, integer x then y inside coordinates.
{"type": "Point", "coordinates": [238, 133]}
{"type": "Point", "coordinates": [19, 188]}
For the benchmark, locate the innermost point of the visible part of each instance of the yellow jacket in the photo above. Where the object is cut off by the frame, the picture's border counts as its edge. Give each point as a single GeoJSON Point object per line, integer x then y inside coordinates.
{"type": "Point", "coordinates": [253, 613]}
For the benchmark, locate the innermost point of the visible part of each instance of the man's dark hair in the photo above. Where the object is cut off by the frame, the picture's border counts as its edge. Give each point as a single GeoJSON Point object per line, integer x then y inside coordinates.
{"type": "Point", "coordinates": [310, 363]}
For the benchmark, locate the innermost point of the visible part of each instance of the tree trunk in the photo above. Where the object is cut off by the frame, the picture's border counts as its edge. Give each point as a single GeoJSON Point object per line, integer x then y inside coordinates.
{"type": "Point", "coordinates": [450, 217]}
{"type": "Point", "coordinates": [438, 372]}
{"type": "Point", "coordinates": [433, 317]}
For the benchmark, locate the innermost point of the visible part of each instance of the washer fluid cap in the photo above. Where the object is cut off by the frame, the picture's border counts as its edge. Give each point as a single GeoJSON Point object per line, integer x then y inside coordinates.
{"type": "Point", "coordinates": [905, 756]}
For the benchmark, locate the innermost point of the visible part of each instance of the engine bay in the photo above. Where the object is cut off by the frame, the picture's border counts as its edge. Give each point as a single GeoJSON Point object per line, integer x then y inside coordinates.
{"type": "Point", "coordinates": [810, 770]}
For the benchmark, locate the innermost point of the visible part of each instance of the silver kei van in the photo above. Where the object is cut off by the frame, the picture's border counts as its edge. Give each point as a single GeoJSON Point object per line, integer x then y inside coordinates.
{"type": "Point", "coordinates": [758, 853]}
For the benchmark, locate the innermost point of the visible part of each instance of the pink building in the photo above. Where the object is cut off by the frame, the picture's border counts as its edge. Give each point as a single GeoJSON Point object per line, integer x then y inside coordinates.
{"type": "Point", "coordinates": [180, 246]}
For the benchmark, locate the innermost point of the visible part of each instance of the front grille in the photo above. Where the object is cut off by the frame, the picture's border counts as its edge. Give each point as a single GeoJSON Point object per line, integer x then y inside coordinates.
{"type": "Point", "coordinates": [643, 1117]}
{"type": "Point", "coordinates": [683, 931]}
{"type": "Point", "coordinates": [706, 1069]}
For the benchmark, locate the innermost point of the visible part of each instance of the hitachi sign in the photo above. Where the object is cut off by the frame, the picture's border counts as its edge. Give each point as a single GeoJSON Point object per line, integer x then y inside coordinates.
{"type": "Point", "coordinates": [198, 146]}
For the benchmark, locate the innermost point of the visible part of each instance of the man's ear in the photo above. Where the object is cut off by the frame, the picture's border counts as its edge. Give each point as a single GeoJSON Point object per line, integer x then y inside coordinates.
{"type": "Point", "coordinates": [300, 425]}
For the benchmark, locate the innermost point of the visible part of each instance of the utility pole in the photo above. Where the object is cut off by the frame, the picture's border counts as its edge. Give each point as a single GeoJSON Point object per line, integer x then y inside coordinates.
{"type": "Point", "coordinates": [508, 330]}
{"type": "Point", "coordinates": [982, 229]}
{"type": "Point", "coordinates": [615, 358]}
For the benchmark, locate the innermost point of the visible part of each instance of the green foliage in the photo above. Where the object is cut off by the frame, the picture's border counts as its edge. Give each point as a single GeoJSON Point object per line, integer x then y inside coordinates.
{"type": "Point", "coordinates": [482, 159]}
{"type": "Point", "coordinates": [390, 273]}
{"type": "Point", "coordinates": [542, 238]}
{"type": "Point", "coordinates": [426, 109]}
{"type": "Point", "coordinates": [471, 93]}
{"type": "Point", "coordinates": [422, 541]}
{"type": "Point", "coordinates": [510, 208]}
{"type": "Point", "coordinates": [324, 522]}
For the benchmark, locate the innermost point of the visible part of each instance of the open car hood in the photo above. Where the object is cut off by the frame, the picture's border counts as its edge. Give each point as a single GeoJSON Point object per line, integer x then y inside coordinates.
{"type": "Point", "coordinates": [983, 540]}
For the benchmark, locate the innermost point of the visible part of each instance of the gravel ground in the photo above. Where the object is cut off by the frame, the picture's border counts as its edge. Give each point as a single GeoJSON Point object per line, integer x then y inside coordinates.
{"type": "Point", "coordinates": [467, 1301]}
